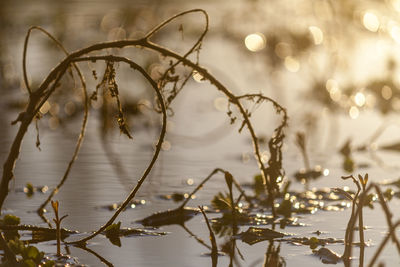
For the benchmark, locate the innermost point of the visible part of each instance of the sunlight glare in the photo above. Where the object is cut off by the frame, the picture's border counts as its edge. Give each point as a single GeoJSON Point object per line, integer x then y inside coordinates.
{"type": "Point", "coordinates": [395, 33]}
{"type": "Point", "coordinates": [198, 77]}
{"type": "Point", "coordinates": [396, 5]}
{"type": "Point", "coordinates": [359, 99]}
{"type": "Point", "coordinates": [371, 22]}
{"type": "Point", "coordinates": [317, 34]}
{"type": "Point", "coordinates": [353, 112]}
{"type": "Point", "coordinates": [332, 87]}
{"type": "Point", "coordinates": [255, 42]}
{"type": "Point", "coordinates": [331, 84]}
{"type": "Point", "coordinates": [386, 92]}
{"type": "Point", "coordinates": [292, 64]}
{"type": "Point", "coordinates": [45, 107]}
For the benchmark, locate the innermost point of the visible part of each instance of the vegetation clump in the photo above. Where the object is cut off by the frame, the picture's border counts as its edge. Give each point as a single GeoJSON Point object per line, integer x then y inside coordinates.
{"type": "Point", "coordinates": [273, 203]}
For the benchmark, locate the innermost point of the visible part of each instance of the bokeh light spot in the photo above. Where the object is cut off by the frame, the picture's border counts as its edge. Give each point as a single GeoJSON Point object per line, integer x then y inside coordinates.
{"type": "Point", "coordinates": [371, 22]}
{"type": "Point", "coordinates": [354, 112]}
{"type": "Point", "coordinates": [292, 64]}
{"type": "Point", "coordinates": [317, 34]}
{"type": "Point", "coordinates": [386, 92]}
{"type": "Point", "coordinates": [255, 42]}
{"type": "Point", "coordinates": [359, 99]}
{"type": "Point", "coordinates": [198, 77]}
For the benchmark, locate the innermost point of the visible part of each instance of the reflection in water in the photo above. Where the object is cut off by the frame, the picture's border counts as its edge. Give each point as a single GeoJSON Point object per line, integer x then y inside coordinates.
{"type": "Point", "coordinates": [324, 49]}
{"type": "Point", "coordinates": [272, 257]}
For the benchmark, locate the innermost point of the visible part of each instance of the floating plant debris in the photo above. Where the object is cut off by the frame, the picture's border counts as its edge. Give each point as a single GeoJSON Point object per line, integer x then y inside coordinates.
{"type": "Point", "coordinates": [327, 256]}
{"type": "Point", "coordinates": [38, 234]}
{"type": "Point", "coordinates": [313, 241]}
{"type": "Point", "coordinates": [176, 197]}
{"type": "Point", "coordinates": [254, 235]}
{"type": "Point", "coordinates": [176, 216]}
{"type": "Point", "coordinates": [114, 232]}
{"type": "Point", "coordinates": [305, 175]}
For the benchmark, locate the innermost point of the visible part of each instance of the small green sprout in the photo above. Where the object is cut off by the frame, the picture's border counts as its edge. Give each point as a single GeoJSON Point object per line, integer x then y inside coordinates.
{"type": "Point", "coordinates": [57, 221]}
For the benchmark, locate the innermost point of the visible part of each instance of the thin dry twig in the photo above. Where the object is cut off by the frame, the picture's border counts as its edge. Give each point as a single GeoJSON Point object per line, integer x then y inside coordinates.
{"type": "Point", "coordinates": [158, 145]}
{"type": "Point", "coordinates": [50, 83]}
{"type": "Point", "coordinates": [214, 248]}
{"type": "Point", "coordinates": [86, 108]}
{"type": "Point", "coordinates": [348, 238]}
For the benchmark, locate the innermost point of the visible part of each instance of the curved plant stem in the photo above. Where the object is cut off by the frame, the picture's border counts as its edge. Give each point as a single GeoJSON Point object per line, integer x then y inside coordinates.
{"type": "Point", "coordinates": [86, 107]}
{"type": "Point", "coordinates": [157, 149]}
{"type": "Point", "coordinates": [40, 96]}
{"type": "Point", "coordinates": [353, 218]}
{"type": "Point", "coordinates": [214, 248]}
{"type": "Point", "coordinates": [348, 238]}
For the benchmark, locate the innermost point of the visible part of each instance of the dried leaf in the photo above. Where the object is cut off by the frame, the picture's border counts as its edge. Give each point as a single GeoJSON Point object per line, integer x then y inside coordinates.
{"type": "Point", "coordinates": [214, 248]}
{"type": "Point", "coordinates": [176, 216]}
{"type": "Point", "coordinates": [327, 256]}
{"type": "Point", "coordinates": [54, 204]}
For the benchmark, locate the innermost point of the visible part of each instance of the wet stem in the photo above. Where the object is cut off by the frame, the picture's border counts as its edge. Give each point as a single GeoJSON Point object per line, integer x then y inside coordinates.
{"type": "Point", "coordinates": [51, 82]}
{"type": "Point", "coordinates": [57, 220]}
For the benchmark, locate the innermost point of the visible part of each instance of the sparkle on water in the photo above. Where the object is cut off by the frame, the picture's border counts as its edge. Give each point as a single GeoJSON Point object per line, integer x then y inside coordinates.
{"type": "Point", "coordinates": [371, 22]}
{"type": "Point", "coordinates": [359, 99]}
{"type": "Point", "coordinates": [292, 64]}
{"type": "Point", "coordinates": [197, 77]}
{"type": "Point", "coordinates": [255, 42]}
{"type": "Point", "coordinates": [317, 34]}
{"type": "Point", "coordinates": [354, 112]}
{"type": "Point", "coordinates": [386, 92]}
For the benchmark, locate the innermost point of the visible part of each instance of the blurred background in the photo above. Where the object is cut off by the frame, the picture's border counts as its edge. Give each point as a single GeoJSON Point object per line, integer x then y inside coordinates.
{"type": "Point", "coordinates": [332, 64]}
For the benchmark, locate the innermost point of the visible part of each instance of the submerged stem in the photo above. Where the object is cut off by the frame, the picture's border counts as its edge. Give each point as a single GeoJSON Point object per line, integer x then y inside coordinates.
{"type": "Point", "coordinates": [157, 149]}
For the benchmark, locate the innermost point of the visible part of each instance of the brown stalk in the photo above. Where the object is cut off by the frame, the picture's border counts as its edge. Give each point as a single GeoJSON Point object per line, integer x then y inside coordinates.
{"type": "Point", "coordinates": [214, 248]}
{"type": "Point", "coordinates": [85, 116]}
{"type": "Point", "coordinates": [40, 96]}
{"type": "Point", "coordinates": [348, 239]}
{"type": "Point", "coordinates": [350, 227]}
{"type": "Point", "coordinates": [158, 146]}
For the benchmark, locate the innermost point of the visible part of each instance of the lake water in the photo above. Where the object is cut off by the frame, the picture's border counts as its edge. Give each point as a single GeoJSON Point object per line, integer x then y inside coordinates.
{"type": "Point", "coordinates": [200, 135]}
